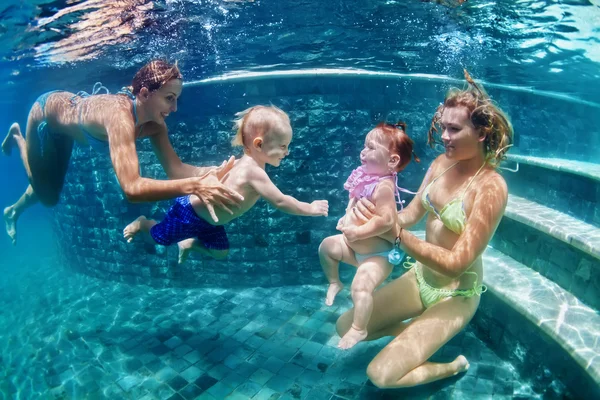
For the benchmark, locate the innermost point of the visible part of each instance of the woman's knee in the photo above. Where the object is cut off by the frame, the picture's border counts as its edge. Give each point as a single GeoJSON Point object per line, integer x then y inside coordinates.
{"type": "Point", "coordinates": [380, 375]}
{"type": "Point", "coordinates": [385, 374]}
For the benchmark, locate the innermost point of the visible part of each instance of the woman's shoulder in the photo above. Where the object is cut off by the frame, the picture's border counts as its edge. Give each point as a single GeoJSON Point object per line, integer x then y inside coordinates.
{"type": "Point", "coordinates": [440, 163]}
{"type": "Point", "coordinates": [492, 182]}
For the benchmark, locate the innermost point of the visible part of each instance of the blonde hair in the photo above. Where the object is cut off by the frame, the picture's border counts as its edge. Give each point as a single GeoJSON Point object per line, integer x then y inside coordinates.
{"type": "Point", "coordinates": [485, 115]}
{"type": "Point", "coordinates": [255, 122]}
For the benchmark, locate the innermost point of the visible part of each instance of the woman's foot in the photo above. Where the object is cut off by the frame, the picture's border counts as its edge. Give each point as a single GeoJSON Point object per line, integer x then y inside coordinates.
{"type": "Point", "coordinates": [332, 291]}
{"type": "Point", "coordinates": [185, 246]}
{"type": "Point", "coordinates": [133, 228]}
{"type": "Point", "coordinates": [461, 364]}
{"type": "Point", "coordinates": [352, 337]}
{"type": "Point", "coordinates": [9, 139]}
{"type": "Point", "coordinates": [10, 219]}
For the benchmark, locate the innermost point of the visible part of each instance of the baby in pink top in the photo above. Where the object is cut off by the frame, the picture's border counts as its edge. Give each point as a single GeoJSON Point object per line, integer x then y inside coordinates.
{"type": "Point", "coordinates": [387, 151]}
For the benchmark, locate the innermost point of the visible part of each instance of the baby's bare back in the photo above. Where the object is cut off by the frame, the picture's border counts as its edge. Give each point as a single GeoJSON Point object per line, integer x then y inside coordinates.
{"type": "Point", "coordinates": [238, 180]}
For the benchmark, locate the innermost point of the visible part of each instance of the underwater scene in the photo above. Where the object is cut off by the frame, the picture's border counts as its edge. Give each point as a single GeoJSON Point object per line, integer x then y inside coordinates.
{"type": "Point", "coordinates": [257, 199]}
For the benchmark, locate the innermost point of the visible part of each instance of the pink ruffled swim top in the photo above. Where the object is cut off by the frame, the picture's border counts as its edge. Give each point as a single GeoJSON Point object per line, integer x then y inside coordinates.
{"type": "Point", "coordinates": [361, 184]}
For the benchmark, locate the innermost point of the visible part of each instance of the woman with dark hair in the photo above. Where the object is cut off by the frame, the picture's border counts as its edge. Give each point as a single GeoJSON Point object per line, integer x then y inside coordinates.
{"type": "Point", "coordinates": [464, 199]}
{"type": "Point", "coordinates": [111, 123]}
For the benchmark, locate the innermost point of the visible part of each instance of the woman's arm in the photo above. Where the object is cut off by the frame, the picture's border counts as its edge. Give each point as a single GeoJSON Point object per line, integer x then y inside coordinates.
{"type": "Point", "coordinates": [121, 134]}
{"type": "Point", "coordinates": [486, 213]}
{"type": "Point", "coordinates": [413, 213]}
{"type": "Point", "coordinates": [123, 153]}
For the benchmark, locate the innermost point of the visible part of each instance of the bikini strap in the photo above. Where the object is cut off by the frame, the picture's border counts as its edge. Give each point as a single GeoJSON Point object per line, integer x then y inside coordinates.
{"type": "Point", "coordinates": [398, 189]}
{"type": "Point", "coordinates": [446, 170]}
{"type": "Point", "coordinates": [125, 90]}
{"type": "Point", "coordinates": [95, 90]}
{"type": "Point", "coordinates": [477, 289]}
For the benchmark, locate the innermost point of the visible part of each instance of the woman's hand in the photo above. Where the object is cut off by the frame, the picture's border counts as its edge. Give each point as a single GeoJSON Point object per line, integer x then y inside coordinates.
{"type": "Point", "coordinates": [211, 191]}
{"type": "Point", "coordinates": [364, 210]}
{"type": "Point", "coordinates": [222, 170]}
{"type": "Point", "coordinates": [350, 232]}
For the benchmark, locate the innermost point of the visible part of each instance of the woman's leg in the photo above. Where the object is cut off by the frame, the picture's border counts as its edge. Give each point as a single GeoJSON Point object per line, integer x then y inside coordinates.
{"type": "Point", "coordinates": [15, 137]}
{"type": "Point", "coordinates": [403, 362]}
{"type": "Point", "coordinates": [369, 276]}
{"type": "Point", "coordinates": [45, 167]}
{"type": "Point", "coordinates": [12, 213]}
{"type": "Point", "coordinates": [332, 250]}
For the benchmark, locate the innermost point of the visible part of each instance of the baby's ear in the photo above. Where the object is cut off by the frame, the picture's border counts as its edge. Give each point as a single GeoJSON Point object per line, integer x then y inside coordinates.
{"type": "Point", "coordinates": [257, 142]}
{"type": "Point", "coordinates": [394, 161]}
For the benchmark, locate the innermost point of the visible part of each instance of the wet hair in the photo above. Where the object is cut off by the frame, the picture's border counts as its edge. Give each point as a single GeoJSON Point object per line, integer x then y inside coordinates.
{"type": "Point", "coordinates": [154, 75]}
{"type": "Point", "coordinates": [257, 121]}
{"type": "Point", "coordinates": [400, 143]}
{"type": "Point", "coordinates": [484, 114]}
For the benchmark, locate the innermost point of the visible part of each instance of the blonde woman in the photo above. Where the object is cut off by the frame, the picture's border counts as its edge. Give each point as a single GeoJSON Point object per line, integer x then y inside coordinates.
{"type": "Point", "coordinates": [464, 198]}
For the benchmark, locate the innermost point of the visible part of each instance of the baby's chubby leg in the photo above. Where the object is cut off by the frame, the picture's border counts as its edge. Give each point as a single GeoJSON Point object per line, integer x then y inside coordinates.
{"type": "Point", "coordinates": [188, 245]}
{"type": "Point", "coordinates": [332, 250]}
{"type": "Point", "coordinates": [370, 274]}
{"type": "Point", "coordinates": [140, 224]}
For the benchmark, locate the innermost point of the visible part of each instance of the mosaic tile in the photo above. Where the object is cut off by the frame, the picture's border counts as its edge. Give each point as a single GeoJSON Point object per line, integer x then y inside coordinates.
{"type": "Point", "coordinates": [311, 369]}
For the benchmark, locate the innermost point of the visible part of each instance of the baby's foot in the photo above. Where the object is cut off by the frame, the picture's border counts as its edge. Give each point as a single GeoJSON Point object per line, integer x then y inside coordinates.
{"type": "Point", "coordinates": [185, 246]}
{"type": "Point", "coordinates": [332, 291]}
{"type": "Point", "coordinates": [9, 139]}
{"type": "Point", "coordinates": [352, 337]}
{"type": "Point", "coordinates": [11, 224]}
{"type": "Point", "coordinates": [133, 228]}
{"type": "Point", "coordinates": [461, 364]}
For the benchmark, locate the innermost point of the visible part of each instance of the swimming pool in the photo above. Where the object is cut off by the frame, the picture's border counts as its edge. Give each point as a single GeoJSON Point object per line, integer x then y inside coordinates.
{"type": "Point", "coordinates": [101, 318]}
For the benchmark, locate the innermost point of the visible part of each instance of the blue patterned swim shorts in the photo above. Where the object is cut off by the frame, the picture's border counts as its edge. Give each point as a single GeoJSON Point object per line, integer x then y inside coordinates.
{"type": "Point", "coordinates": [182, 222]}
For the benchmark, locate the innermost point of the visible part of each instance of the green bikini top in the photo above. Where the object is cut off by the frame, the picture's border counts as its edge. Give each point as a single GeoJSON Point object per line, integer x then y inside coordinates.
{"type": "Point", "coordinates": [453, 214]}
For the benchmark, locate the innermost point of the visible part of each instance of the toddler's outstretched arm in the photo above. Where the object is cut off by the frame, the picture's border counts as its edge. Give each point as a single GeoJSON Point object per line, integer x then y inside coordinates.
{"type": "Point", "coordinates": [260, 181]}
{"type": "Point", "coordinates": [382, 221]}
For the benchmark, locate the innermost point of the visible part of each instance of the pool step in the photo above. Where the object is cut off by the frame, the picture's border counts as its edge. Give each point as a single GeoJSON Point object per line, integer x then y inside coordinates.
{"type": "Point", "coordinates": [561, 226]}
{"type": "Point", "coordinates": [560, 247]}
{"type": "Point", "coordinates": [570, 186]}
{"type": "Point", "coordinates": [569, 341]}
{"type": "Point", "coordinates": [581, 168]}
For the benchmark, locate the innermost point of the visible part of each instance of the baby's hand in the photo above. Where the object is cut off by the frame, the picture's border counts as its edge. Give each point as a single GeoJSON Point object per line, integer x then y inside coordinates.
{"type": "Point", "coordinates": [319, 207]}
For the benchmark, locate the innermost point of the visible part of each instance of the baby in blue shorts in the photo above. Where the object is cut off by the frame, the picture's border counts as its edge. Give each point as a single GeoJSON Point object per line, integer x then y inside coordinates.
{"type": "Point", "coordinates": [265, 133]}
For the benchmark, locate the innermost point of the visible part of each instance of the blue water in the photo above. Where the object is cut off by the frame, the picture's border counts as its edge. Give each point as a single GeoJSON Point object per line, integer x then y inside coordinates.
{"type": "Point", "coordinates": [64, 334]}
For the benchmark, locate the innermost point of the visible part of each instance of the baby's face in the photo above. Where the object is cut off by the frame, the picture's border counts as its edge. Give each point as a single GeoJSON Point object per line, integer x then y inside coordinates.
{"type": "Point", "coordinates": [276, 145]}
{"type": "Point", "coordinates": [376, 155]}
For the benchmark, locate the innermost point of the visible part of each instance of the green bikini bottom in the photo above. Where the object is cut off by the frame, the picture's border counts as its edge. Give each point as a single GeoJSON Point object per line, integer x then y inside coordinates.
{"type": "Point", "coordinates": [431, 295]}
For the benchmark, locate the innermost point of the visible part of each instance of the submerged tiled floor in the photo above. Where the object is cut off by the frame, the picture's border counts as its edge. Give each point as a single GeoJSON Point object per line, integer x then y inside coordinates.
{"type": "Point", "coordinates": [65, 335]}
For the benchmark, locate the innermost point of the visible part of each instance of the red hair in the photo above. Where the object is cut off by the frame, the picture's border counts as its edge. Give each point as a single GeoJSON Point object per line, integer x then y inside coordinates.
{"type": "Point", "coordinates": [400, 142]}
